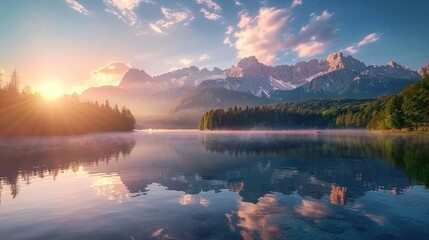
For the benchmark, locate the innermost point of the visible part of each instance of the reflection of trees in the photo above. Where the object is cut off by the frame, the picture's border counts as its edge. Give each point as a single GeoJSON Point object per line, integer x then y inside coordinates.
{"type": "Point", "coordinates": [311, 164]}
{"type": "Point", "coordinates": [407, 152]}
{"type": "Point", "coordinates": [29, 157]}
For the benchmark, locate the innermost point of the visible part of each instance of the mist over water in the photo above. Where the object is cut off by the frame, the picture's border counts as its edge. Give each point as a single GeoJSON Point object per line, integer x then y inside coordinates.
{"type": "Point", "coordinates": [158, 184]}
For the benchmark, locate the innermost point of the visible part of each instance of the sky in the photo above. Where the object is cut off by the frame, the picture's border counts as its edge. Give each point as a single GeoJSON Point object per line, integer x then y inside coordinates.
{"type": "Point", "coordinates": [76, 44]}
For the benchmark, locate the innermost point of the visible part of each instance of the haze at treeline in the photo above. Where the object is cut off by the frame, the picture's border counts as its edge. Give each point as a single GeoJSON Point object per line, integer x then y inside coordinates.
{"type": "Point", "coordinates": [24, 113]}
{"type": "Point", "coordinates": [407, 109]}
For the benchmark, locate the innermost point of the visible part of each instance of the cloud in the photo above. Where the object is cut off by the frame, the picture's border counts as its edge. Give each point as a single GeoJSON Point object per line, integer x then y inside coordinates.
{"type": "Point", "coordinates": [124, 9]}
{"type": "Point", "coordinates": [269, 32]}
{"type": "Point", "coordinates": [203, 57]}
{"type": "Point", "coordinates": [227, 40]}
{"type": "Point", "coordinates": [111, 74]}
{"type": "Point", "coordinates": [244, 19]}
{"type": "Point", "coordinates": [310, 49]}
{"type": "Point", "coordinates": [238, 3]}
{"type": "Point", "coordinates": [262, 35]}
{"type": "Point", "coordinates": [171, 18]}
{"type": "Point", "coordinates": [210, 15]}
{"type": "Point", "coordinates": [78, 7]}
{"type": "Point", "coordinates": [315, 37]}
{"type": "Point", "coordinates": [213, 11]}
{"type": "Point", "coordinates": [210, 4]}
{"type": "Point", "coordinates": [351, 49]}
{"type": "Point", "coordinates": [155, 28]}
{"type": "Point", "coordinates": [370, 38]}
{"type": "Point", "coordinates": [186, 61]}
{"type": "Point", "coordinates": [229, 30]}
{"type": "Point", "coordinates": [296, 3]}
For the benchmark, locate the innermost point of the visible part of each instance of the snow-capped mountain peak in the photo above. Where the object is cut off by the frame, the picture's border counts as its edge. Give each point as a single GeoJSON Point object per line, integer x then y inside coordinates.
{"type": "Point", "coordinates": [249, 75]}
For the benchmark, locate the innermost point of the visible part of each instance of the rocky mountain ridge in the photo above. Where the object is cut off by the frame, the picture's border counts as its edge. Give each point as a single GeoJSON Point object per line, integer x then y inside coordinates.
{"type": "Point", "coordinates": [326, 75]}
{"type": "Point", "coordinates": [249, 82]}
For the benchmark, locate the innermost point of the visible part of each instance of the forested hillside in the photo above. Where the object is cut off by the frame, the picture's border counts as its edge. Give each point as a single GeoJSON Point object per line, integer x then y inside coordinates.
{"type": "Point", "coordinates": [23, 113]}
{"type": "Point", "coordinates": [408, 109]}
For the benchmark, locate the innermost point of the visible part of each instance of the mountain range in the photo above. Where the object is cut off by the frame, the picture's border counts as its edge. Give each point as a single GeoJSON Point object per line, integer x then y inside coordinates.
{"type": "Point", "coordinates": [178, 98]}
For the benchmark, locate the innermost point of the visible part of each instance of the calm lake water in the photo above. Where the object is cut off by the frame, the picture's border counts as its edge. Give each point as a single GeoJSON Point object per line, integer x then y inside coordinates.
{"type": "Point", "coordinates": [223, 185]}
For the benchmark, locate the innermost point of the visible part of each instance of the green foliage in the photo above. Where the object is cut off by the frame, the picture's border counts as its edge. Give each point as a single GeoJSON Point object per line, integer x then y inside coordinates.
{"type": "Point", "coordinates": [27, 114]}
{"type": "Point", "coordinates": [394, 115]}
{"type": "Point", "coordinates": [416, 103]}
{"type": "Point", "coordinates": [408, 109]}
{"type": "Point", "coordinates": [306, 114]}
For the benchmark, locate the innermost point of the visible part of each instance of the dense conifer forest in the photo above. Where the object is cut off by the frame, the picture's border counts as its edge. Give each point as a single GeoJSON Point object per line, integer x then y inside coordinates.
{"type": "Point", "coordinates": [23, 113]}
{"type": "Point", "coordinates": [408, 109]}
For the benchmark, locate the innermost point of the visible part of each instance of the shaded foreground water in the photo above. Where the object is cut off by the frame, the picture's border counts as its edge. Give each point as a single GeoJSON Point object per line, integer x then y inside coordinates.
{"type": "Point", "coordinates": [222, 185]}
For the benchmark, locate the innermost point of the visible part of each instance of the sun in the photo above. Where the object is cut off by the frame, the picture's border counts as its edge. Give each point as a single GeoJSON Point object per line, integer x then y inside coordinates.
{"type": "Point", "coordinates": [51, 91]}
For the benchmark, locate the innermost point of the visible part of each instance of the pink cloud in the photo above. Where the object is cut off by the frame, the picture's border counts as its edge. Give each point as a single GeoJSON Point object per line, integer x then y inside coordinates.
{"type": "Point", "coordinates": [310, 49]}
{"type": "Point", "coordinates": [370, 38]}
{"type": "Point", "coordinates": [269, 33]}
{"type": "Point", "coordinates": [74, 4]}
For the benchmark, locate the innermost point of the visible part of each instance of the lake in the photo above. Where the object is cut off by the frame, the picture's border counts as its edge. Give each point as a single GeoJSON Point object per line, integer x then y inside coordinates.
{"type": "Point", "coordinates": [215, 185]}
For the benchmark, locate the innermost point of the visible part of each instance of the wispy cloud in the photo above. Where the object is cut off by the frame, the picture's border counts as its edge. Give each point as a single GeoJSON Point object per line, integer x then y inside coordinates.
{"type": "Point", "coordinates": [310, 49]}
{"type": "Point", "coordinates": [210, 15]}
{"type": "Point", "coordinates": [203, 57]}
{"type": "Point", "coordinates": [296, 3]}
{"type": "Point", "coordinates": [238, 3]}
{"type": "Point", "coordinates": [315, 37]}
{"type": "Point", "coordinates": [351, 49]}
{"type": "Point", "coordinates": [171, 18]}
{"type": "Point", "coordinates": [210, 4]}
{"type": "Point", "coordinates": [125, 9]}
{"type": "Point", "coordinates": [155, 28]}
{"type": "Point", "coordinates": [227, 39]}
{"type": "Point", "coordinates": [269, 33]}
{"type": "Point", "coordinates": [78, 7]}
{"type": "Point", "coordinates": [212, 10]}
{"type": "Point", "coordinates": [370, 38]}
{"type": "Point", "coordinates": [188, 61]}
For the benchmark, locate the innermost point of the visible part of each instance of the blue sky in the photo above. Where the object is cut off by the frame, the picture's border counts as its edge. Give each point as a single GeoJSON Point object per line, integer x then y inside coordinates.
{"type": "Point", "coordinates": [82, 43]}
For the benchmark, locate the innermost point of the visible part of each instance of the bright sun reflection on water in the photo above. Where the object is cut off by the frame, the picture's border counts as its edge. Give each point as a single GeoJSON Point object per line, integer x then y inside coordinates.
{"type": "Point", "coordinates": [111, 186]}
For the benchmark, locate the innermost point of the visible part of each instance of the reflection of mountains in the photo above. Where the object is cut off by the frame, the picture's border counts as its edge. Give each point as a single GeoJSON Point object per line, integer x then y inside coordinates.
{"type": "Point", "coordinates": [337, 167]}
{"type": "Point", "coordinates": [310, 164]}
{"type": "Point", "coordinates": [27, 157]}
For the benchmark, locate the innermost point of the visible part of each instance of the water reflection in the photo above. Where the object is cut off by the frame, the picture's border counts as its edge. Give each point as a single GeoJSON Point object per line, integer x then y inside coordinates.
{"type": "Point", "coordinates": [338, 194]}
{"type": "Point", "coordinates": [192, 185]}
{"type": "Point", "coordinates": [111, 186]}
{"type": "Point", "coordinates": [28, 157]}
{"type": "Point", "coordinates": [314, 165]}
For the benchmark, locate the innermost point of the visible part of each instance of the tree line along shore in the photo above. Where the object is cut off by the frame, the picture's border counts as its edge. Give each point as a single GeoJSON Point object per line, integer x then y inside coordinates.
{"type": "Point", "coordinates": [407, 110]}
{"type": "Point", "coordinates": [24, 113]}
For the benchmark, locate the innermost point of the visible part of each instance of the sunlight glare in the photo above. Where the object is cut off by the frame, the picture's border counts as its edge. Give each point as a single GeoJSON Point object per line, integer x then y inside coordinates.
{"type": "Point", "coordinates": [51, 91]}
